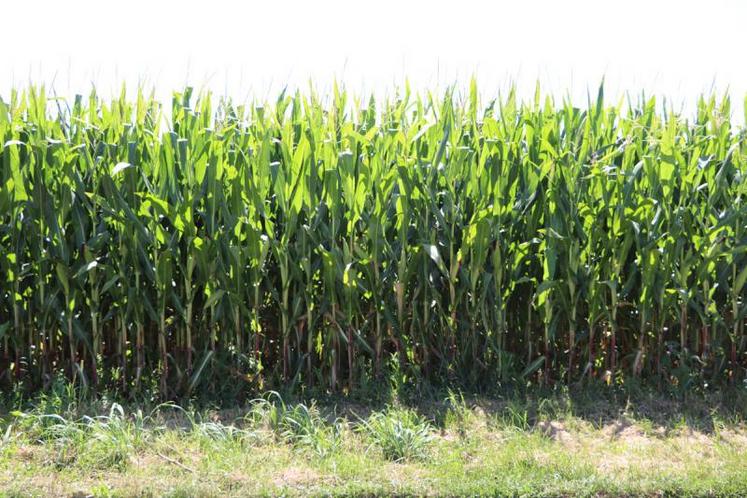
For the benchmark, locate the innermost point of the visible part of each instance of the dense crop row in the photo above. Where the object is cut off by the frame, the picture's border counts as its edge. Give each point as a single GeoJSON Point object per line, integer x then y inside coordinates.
{"type": "Point", "coordinates": [322, 243]}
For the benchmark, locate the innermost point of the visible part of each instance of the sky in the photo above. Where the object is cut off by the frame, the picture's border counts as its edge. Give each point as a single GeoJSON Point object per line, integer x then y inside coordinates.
{"type": "Point", "coordinates": [251, 49]}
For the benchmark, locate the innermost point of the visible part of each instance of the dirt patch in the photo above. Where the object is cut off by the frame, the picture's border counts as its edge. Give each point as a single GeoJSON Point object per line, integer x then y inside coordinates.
{"type": "Point", "coordinates": [613, 464]}
{"type": "Point", "coordinates": [44, 484]}
{"type": "Point", "coordinates": [734, 437]}
{"type": "Point", "coordinates": [296, 477]}
{"type": "Point", "coordinates": [29, 453]}
{"type": "Point", "coordinates": [624, 430]}
{"type": "Point", "coordinates": [692, 437]}
{"type": "Point", "coordinates": [555, 430]}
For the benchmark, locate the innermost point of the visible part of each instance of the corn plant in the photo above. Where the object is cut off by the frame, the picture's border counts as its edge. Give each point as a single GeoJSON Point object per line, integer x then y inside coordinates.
{"type": "Point", "coordinates": [225, 248]}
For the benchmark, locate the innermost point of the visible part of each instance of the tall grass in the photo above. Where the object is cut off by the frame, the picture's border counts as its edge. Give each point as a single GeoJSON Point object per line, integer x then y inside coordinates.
{"type": "Point", "coordinates": [305, 242]}
{"type": "Point", "coordinates": [400, 434]}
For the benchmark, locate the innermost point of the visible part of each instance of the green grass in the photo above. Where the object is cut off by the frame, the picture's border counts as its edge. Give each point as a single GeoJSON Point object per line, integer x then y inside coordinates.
{"type": "Point", "coordinates": [461, 445]}
{"type": "Point", "coordinates": [399, 434]}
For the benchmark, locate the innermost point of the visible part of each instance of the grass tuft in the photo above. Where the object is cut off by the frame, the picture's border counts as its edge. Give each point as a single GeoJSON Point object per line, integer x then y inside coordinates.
{"type": "Point", "coordinates": [400, 434]}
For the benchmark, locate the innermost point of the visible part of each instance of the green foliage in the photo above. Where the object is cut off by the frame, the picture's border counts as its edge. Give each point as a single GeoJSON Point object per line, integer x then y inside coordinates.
{"type": "Point", "coordinates": [458, 414]}
{"type": "Point", "coordinates": [558, 442]}
{"type": "Point", "coordinates": [100, 442]}
{"type": "Point", "coordinates": [297, 424]}
{"type": "Point", "coordinates": [225, 249]}
{"type": "Point", "coordinates": [400, 434]}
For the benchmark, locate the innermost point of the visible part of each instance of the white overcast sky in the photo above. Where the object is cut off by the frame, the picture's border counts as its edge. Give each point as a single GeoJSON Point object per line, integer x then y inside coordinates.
{"type": "Point", "coordinates": [247, 48]}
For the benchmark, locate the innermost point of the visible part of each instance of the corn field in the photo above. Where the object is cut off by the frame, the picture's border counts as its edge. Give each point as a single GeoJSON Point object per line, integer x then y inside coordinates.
{"type": "Point", "coordinates": [322, 241]}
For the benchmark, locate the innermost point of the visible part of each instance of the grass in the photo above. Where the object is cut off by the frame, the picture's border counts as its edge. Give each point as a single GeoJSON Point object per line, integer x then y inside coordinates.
{"type": "Point", "coordinates": [564, 445]}
{"type": "Point", "coordinates": [398, 433]}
